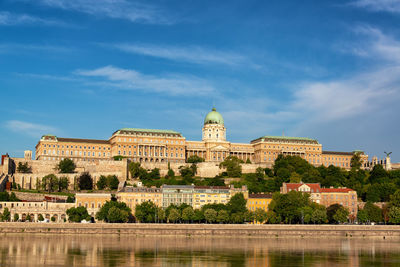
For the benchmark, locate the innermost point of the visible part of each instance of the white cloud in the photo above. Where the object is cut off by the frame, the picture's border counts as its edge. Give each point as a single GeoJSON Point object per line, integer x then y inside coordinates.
{"type": "Point", "coordinates": [29, 128]}
{"type": "Point", "coordinates": [18, 48]}
{"type": "Point", "coordinates": [392, 6]}
{"type": "Point", "coordinates": [11, 19]}
{"type": "Point", "coordinates": [126, 79]}
{"type": "Point", "coordinates": [194, 54]}
{"type": "Point", "coordinates": [134, 11]}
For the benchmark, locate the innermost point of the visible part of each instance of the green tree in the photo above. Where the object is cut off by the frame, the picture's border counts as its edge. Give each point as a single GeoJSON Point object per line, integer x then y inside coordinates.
{"type": "Point", "coordinates": [16, 217]}
{"type": "Point", "coordinates": [70, 199]}
{"type": "Point", "coordinates": [24, 167]}
{"type": "Point", "coordinates": [109, 214]}
{"type": "Point", "coordinates": [112, 182]}
{"type": "Point", "coordinates": [13, 197]}
{"type": "Point", "coordinates": [195, 159]}
{"type": "Point", "coordinates": [260, 215]}
{"type": "Point", "coordinates": [198, 216]}
{"type": "Point", "coordinates": [170, 173]}
{"type": "Point", "coordinates": [237, 203]}
{"type": "Point", "coordinates": [394, 215]}
{"type": "Point", "coordinates": [85, 181]}
{"type": "Point", "coordinates": [145, 212]}
{"type": "Point", "coordinates": [50, 182]}
{"type": "Point", "coordinates": [395, 199]}
{"type": "Point", "coordinates": [232, 166]}
{"type": "Point", "coordinates": [174, 215]}
{"type": "Point", "coordinates": [77, 214]}
{"type": "Point", "coordinates": [102, 183]}
{"type": "Point", "coordinates": [66, 166]}
{"type": "Point", "coordinates": [63, 183]}
{"type": "Point", "coordinates": [341, 215]}
{"type": "Point", "coordinates": [210, 215]}
{"type": "Point", "coordinates": [248, 161]}
{"type": "Point", "coordinates": [319, 216]}
{"type": "Point", "coordinates": [374, 213]}
{"type": "Point", "coordinates": [362, 216]}
{"type": "Point", "coordinates": [331, 211]}
{"type": "Point", "coordinates": [53, 219]}
{"type": "Point", "coordinates": [40, 218]}
{"type": "Point", "coordinates": [355, 161]}
{"type": "Point", "coordinates": [134, 169]}
{"type": "Point", "coordinates": [117, 215]}
{"type": "Point", "coordinates": [223, 216]}
{"type": "Point", "coordinates": [160, 215]}
{"type": "Point", "coordinates": [155, 173]}
{"type": "Point", "coordinates": [187, 214]}
{"type": "Point", "coordinates": [6, 216]}
{"type": "Point", "coordinates": [28, 218]}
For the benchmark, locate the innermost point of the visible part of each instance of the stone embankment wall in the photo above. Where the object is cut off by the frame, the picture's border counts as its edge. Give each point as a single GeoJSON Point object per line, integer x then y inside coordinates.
{"type": "Point", "coordinates": [210, 230]}
{"type": "Point", "coordinates": [25, 196]}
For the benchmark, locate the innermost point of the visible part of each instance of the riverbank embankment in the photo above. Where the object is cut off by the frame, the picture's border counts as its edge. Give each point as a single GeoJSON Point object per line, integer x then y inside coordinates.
{"type": "Point", "coordinates": [209, 230]}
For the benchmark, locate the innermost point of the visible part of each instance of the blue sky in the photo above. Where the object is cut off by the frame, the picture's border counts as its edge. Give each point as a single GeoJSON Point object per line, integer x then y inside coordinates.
{"type": "Point", "coordinates": [328, 70]}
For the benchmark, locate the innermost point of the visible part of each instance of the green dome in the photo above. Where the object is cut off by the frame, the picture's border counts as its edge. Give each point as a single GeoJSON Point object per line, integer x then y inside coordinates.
{"type": "Point", "coordinates": [214, 117]}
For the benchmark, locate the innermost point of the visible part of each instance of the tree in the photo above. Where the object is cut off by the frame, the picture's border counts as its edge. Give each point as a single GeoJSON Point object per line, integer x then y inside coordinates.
{"type": "Point", "coordinates": [394, 215]}
{"type": "Point", "coordinates": [112, 182]}
{"type": "Point", "coordinates": [187, 214]}
{"type": "Point", "coordinates": [145, 212]}
{"type": "Point", "coordinates": [70, 199]}
{"type": "Point", "coordinates": [160, 215]}
{"type": "Point", "coordinates": [16, 217]}
{"type": "Point", "coordinates": [170, 173]}
{"type": "Point", "coordinates": [195, 159]}
{"type": "Point", "coordinates": [40, 218]}
{"type": "Point", "coordinates": [355, 162]}
{"type": "Point", "coordinates": [237, 203]}
{"type": "Point", "coordinates": [85, 181]}
{"type": "Point", "coordinates": [186, 172]}
{"type": "Point", "coordinates": [248, 161]}
{"type": "Point", "coordinates": [50, 182]}
{"type": "Point", "coordinates": [114, 212]}
{"type": "Point", "coordinates": [66, 166]}
{"type": "Point", "coordinates": [102, 182]}
{"type": "Point", "coordinates": [260, 215]}
{"type": "Point", "coordinates": [374, 213]}
{"type": "Point", "coordinates": [134, 169]}
{"type": "Point", "coordinates": [260, 173]}
{"type": "Point", "coordinates": [28, 218]}
{"type": "Point", "coordinates": [155, 173]}
{"type": "Point", "coordinates": [77, 214]}
{"type": "Point", "coordinates": [24, 168]}
{"type": "Point", "coordinates": [53, 219]}
{"type": "Point", "coordinates": [63, 183]}
{"type": "Point", "coordinates": [174, 215]}
{"type": "Point", "coordinates": [198, 216]}
{"type": "Point", "coordinates": [6, 216]}
{"type": "Point", "coordinates": [210, 215]}
{"type": "Point", "coordinates": [331, 211]}
{"type": "Point", "coordinates": [319, 216]}
{"type": "Point", "coordinates": [223, 216]}
{"type": "Point", "coordinates": [341, 215]}
{"type": "Point", "coordinates": [116, 215]}
{"type": "Point", "coordinates": [232, 166]}
{"type": "Point", "coordinates": [362, 216]}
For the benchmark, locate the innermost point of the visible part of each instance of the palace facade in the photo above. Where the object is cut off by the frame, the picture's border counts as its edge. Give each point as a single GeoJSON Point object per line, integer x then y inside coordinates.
{"type": "Point", "coordinates": [149, 145]}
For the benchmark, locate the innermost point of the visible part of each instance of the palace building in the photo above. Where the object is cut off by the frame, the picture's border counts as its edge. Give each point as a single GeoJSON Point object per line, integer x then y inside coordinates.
{"type": "Point", "coordinates": [149, 145]}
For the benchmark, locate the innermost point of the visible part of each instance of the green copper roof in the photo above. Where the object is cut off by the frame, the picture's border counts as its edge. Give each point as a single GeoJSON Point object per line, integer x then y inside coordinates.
{"type": "Point", "coordinates": [148, 131]}
{"type": "Point", "coordinates": [214, 117]}
{"type": "Point", "coordinates": [285, 138]}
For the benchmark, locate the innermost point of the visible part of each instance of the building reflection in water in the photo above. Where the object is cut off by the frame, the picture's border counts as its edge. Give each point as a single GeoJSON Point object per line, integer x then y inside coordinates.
{"type": "Point", "coordinates": [113, 251]}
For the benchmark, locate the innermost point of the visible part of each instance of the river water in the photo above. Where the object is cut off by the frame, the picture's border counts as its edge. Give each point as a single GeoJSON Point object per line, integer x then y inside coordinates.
{"type": "Point", "coordinates": [89, 250]}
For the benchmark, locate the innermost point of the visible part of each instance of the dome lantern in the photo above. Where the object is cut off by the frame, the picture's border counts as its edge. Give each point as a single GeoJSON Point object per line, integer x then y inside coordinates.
{"type": "Point", "coordinates": [214, 117]}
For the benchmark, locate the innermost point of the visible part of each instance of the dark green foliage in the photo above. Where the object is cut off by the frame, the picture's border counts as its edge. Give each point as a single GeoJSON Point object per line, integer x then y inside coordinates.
{"type": "Point", "coordinates": [4, 196]}
{"type": "Point", "coordinates": [195, 159]}
{"type": "Point", "coordinates": [70, 199]}
{"type": "Point", "coordinates": [232, 166]}
{"type": "Point", "coordinates": [155, 174]}
{"type": "Point", "coordinates": [66, 166]}
{"type": "Point", "coordinates": [337, 213]}
{"type": "Point", "coordinates": [50, 183]}
{"type": "Point", "coordinates": [134, 169]}
{"type": "Point", "coordinates": [63, 183]}
{"type": "Point", "coordinates": [24, 167]}
{"type": "Point", "coordinates": [112, 182]}
{"type": "Point", "coordinates": [6, 216]}
{"type": "Point", "coordinates": [114, 212]}
{"type": "Point", "coordinates": [85, 181]}
{"type": "Point", "coordinates": [170, 174]}
{"type": "Point", "coordinates": [146, 212]}
{"type": "Point", "coordinates": [118, 158]}
{"type": "Point", "coordinates": [78, 214]}
{"type": "Point", "coordinates": [237, 203]}
{"type": "Point", "coordinates": [355, 161]}
{"type": "Point", "coordinates": [102, 182]}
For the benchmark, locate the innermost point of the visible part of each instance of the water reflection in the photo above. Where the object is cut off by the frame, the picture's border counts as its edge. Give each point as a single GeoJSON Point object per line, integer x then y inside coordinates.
{"type": "Point", "coordinates": [112, 251]}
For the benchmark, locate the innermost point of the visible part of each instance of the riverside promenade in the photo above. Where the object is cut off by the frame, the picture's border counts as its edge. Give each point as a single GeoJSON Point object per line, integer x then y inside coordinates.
{"type": "Point", "coordinates": [208, 230]}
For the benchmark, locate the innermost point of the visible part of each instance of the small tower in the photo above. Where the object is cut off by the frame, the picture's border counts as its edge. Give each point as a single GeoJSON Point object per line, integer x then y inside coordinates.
{"type": "Point", "coordinates": [214, 129]}
{"type": "Point", "coordinates": [28, 155]}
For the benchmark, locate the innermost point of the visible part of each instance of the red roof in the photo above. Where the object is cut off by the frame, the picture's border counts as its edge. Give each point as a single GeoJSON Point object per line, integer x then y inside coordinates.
{"type": "Point", "coordinates": [336, 190]}
{"type": "Point", "coordinates": [314, 187]}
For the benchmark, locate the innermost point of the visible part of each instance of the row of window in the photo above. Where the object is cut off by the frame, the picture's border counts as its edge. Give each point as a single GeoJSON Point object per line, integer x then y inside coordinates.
{"type": "Point", "coordinates": [71, 153]}
{"type": "Point", "coordinates": [80, 147]}
{"type": "Point", "coordinates": [151, 141]}
{"type": "Point", "coordinates": [293, 148]}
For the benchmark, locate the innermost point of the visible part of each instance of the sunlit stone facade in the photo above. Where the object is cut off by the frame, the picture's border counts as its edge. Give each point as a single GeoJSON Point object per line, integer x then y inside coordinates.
{"type": "Point", "coordinates": [150, 145]}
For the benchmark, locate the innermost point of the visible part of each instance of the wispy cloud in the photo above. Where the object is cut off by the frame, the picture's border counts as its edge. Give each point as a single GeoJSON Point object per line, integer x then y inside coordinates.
{"type": "Point", "coordinates": [392, 6]}
{"type": "Point", "coordinates": [18, 48]}
{"type": "Point", "coordinates": [12, 19]}
{"type": "Point", "coordinates": [126, 79]}
{"type": "Point", "coordinates": [134, 11]}
{"type": "Point", "coordinates": [191, 54]}
{"type": "Point", "coordinates": [29, 128]}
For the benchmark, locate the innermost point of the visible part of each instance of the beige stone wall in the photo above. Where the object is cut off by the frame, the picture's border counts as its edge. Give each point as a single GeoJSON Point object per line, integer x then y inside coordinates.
{"type": "Point", "coordinates": [221, 230]}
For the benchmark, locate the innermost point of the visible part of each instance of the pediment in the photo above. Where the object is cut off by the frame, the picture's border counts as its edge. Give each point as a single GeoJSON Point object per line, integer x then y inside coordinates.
{"type": "Point", "coordinates": [219, 148]}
